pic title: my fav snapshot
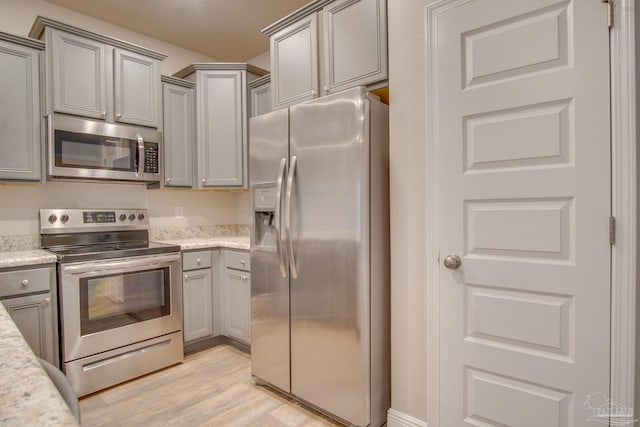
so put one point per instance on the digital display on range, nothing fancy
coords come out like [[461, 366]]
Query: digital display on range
[[99, 217]]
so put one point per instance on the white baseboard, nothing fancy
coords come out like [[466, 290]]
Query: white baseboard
[[399, 419]]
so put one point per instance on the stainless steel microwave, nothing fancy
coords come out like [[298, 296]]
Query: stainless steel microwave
[[87, 149]]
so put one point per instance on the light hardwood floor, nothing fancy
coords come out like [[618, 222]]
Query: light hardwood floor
[[210, 388]]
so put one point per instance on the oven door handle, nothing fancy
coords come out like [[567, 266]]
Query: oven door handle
[[130, 264]]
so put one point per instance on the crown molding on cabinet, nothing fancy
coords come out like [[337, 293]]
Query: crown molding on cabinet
[[260, 81], [190, 69], [41, 23], [24, 41], [178, 82], [294, 16]]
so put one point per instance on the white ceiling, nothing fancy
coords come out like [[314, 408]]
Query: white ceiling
[[227, 30]]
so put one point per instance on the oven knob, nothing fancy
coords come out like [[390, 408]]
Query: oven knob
[[140, 217], [132, 217], [52, 218], [64, 218], [122, 217]]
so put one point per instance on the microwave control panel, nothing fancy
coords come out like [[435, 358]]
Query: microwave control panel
[[151, 158]]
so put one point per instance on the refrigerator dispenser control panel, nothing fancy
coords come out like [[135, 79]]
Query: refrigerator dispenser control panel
[[264, 198]]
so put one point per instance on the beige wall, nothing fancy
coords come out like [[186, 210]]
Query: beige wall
[[17, 17], [408, 207], [20, 203], [263, 61]]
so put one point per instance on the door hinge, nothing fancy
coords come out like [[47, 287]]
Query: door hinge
[[609, 12], [612, 230]]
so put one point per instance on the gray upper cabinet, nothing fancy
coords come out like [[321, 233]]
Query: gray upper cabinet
[[327, 46], [137, 88], [221, 128], [99, 77], [260, 96], [221, 122], [78, 72], [178, 129], [20, 113], [294, 62], [355, 44]]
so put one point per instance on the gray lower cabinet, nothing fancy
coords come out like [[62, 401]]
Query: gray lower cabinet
[[325, 47], [197, 295], [178, 129], [260, 96], [29, 295], [221, 122], [20, 113], [95, 76], [237, 296]]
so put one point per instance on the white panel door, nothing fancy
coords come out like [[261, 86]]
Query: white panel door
[[520, 108]]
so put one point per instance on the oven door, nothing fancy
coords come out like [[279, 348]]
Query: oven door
[[112, 303]]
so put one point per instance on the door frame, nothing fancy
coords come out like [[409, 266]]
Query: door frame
[[623, 205]]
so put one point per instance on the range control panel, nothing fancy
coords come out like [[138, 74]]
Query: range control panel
[[71, 220]]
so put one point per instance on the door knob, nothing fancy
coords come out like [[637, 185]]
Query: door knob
[[452, 262]]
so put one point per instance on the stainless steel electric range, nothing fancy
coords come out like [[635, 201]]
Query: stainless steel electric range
[[120, 295]]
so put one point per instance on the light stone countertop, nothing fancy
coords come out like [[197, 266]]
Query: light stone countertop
[[24, 258], [223, 242], [27, 395]]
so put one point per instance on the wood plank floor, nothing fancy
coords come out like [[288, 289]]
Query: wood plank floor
[[210, 388]]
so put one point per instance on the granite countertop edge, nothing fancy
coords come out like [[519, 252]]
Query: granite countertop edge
[[33, 257], [222, 242], [28, 397], [26, 258]]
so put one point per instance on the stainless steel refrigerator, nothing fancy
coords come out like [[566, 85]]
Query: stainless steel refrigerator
[[320, 254]]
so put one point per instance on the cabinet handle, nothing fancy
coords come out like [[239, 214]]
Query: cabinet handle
[[198, 261], [203, 180], [243, 262], [314, 93], [244, 277], [325, 89], [25, 283], [186, 277], [118, 115], [104, 113], [168, 181], [47, 300]]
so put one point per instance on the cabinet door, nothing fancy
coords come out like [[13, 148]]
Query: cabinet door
[[294, 63], [137, 88], [237, 311], [20, 118], [178, 133], [260, 99], [34, 317], [355, 44], [78, 75], [222, 121], [197, 313]]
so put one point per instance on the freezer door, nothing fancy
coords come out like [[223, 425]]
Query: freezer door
[[330, 336], [268, 154]]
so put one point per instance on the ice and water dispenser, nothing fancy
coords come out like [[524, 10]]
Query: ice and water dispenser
[[264, 209]]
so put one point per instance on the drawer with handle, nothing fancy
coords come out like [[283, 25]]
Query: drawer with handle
[[237, 260], [18, 282], [196, 260]]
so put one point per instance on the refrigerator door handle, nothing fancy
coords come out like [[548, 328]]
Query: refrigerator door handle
[[279, 249], [287, 217]]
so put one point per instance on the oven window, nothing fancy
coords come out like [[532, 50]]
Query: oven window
[[94, 151], [111, 301]]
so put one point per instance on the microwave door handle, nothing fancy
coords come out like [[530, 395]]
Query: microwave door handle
[[140, 157]]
